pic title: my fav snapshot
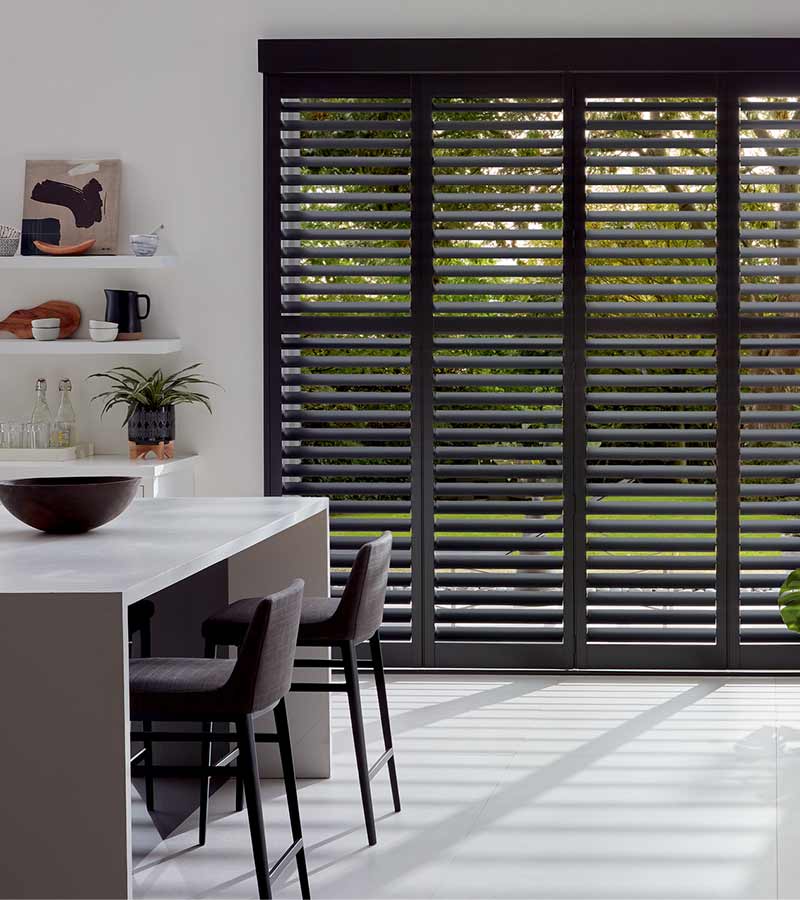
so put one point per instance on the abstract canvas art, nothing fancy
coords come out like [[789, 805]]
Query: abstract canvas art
[[71, 201]]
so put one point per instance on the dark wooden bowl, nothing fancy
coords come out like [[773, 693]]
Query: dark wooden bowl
[[67, 505]]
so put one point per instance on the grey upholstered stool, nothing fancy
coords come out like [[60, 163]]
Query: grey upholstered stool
[[139, 616], [337, 623], [221, 690]]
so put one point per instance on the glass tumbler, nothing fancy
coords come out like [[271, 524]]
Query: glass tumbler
[[38, 435], [12, 435]]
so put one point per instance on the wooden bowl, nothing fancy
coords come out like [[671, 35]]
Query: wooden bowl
[[67, 505]]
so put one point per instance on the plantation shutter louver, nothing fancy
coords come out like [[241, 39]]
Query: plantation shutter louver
[[345, 267], [650, 377], [769, 213], [498, 397]]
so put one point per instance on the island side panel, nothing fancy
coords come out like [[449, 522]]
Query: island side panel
[[301, 551], [64, 815]]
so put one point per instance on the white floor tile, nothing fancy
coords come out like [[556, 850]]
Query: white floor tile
[[535, 787]]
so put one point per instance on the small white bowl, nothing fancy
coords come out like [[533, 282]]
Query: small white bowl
[[46, 334], [144, 244], [47, 323], [102, 335]]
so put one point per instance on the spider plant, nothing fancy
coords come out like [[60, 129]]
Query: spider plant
[[136, 390]]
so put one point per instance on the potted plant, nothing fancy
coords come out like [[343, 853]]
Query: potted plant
[[151, 402]]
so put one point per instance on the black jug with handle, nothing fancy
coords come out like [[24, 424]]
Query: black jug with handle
[[122, 307]]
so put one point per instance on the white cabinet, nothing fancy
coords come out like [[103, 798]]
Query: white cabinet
[[160, 478]]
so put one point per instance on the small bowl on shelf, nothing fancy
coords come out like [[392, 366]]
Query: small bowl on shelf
[[103, 331], [144, 244], [9, 240], [46, 329], [68, 505]]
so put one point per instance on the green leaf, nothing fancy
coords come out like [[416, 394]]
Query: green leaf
[[789, 601]]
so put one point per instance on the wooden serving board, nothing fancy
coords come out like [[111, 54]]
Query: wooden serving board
[[58, 250], [19, 321]]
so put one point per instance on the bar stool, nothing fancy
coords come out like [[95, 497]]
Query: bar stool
[[337, 623], [139, 616], [227, 691]]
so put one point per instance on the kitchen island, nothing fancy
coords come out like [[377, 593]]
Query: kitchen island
[[65, 812]]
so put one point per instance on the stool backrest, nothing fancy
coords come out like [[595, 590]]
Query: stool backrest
[[364, 595], [263, 671]]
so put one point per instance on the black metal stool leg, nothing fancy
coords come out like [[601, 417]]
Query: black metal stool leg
[[145, 651], [210, 652], [383, 705], [249, 764], [205, 782], [357, 723], [239, 793], [287, 764]]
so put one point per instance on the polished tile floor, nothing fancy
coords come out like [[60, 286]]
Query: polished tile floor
[[546, 787]]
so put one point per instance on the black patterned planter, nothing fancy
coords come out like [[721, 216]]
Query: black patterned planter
[[152, 430]]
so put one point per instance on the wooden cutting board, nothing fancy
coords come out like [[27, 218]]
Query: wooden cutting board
[[19, 321]]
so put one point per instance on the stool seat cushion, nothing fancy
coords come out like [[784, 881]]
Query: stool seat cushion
[[139, 614], [175, 689], [229, 625]]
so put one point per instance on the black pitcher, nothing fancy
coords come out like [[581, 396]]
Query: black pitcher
[[122, 307]]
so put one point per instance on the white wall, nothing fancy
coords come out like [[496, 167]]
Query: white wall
[[171, 87]]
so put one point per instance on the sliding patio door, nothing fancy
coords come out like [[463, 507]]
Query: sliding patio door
[[543, 328]]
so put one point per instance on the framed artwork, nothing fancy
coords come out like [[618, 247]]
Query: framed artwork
[[68, 202]]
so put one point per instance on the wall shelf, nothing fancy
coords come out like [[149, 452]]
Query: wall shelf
[[82, 263], [73, 347], [100, 464]]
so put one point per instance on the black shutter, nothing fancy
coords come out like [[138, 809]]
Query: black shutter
[[520, 320], [769, 167], [345, 325], [497, 379], [651, 378]]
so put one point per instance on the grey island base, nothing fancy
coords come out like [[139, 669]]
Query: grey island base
[[65, 813]]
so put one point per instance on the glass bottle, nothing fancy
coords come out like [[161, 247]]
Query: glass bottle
[[38, 431], [64, 429], [41, 411]]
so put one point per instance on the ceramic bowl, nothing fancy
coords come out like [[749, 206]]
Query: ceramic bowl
[[68, 505], [144, 244], [46, 332], [104, 334]]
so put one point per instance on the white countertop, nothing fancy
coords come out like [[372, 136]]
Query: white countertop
[[153, 544]]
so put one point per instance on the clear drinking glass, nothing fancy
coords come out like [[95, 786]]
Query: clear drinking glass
[[12, 435], [38, 435]]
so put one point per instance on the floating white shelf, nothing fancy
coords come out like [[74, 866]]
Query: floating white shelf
[[73, 347], [101, 464], [50, 263]]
